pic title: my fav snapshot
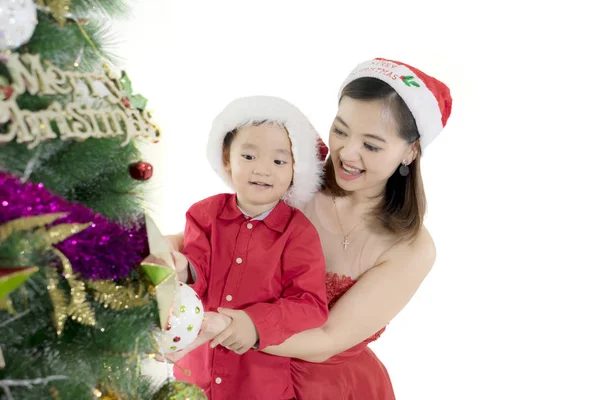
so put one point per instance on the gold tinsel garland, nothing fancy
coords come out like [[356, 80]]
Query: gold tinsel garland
[[73, 304], [58, 299], [59, 9], [116, 297], [79, 309], [26, 223]]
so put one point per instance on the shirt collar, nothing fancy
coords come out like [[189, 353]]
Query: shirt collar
[[276, 218], [259, 217]]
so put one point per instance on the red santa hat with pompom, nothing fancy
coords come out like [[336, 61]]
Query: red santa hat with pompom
[[427, 98], [308, 163]]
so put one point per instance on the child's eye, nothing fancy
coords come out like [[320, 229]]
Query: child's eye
[[338, 132], [280, 162], [371, 148], [247, 157]]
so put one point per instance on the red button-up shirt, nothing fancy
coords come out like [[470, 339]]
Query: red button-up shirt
[[274, 270]]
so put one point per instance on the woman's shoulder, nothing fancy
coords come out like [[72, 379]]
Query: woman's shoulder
[[419, 253]]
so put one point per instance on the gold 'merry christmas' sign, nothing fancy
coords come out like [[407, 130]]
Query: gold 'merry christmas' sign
[[110, 115]]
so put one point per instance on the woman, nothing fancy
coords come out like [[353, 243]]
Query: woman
[[369, 216]]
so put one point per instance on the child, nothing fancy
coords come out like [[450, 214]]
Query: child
[[254, 251]]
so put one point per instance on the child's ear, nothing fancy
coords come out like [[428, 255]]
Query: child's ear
[[226, 162]]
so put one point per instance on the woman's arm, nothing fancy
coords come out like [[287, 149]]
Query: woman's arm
[[378, 296]]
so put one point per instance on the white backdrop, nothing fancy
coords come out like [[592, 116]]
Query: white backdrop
[[510, 310]]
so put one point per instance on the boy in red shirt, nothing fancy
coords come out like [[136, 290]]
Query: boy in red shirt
[[254, 251]]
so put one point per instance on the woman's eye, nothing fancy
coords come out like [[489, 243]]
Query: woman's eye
[[371, 148], [338, 132]]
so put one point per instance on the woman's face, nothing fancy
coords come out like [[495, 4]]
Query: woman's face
[[365, 146]]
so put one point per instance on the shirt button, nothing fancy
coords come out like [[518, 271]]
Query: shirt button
[[218, 380], [238, 260], [228, 297], [249, 226]]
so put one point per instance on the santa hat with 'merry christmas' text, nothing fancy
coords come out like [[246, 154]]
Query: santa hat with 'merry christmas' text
[[308, 165], [427, 98]]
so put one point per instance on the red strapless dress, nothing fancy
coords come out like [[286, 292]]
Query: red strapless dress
[[355, 374]]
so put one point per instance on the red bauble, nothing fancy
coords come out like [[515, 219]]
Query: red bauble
[[141, 171]]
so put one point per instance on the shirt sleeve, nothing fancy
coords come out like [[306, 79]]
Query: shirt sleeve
[[196, 248], [303, 303]]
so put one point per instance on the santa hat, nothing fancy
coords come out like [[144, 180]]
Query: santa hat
[[308, 166], [427, 98]]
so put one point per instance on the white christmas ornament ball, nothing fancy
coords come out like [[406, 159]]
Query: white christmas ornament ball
[[18, 19], [183, 329]]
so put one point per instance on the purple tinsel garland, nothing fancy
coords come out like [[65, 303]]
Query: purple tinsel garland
[[104, 250]]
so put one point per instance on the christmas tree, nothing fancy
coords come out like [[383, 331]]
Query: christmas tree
[[77, 312]]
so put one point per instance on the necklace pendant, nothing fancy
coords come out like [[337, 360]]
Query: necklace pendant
[[345, 243]]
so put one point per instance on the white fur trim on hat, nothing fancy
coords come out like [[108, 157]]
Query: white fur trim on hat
[[427, 98], [308, 167]]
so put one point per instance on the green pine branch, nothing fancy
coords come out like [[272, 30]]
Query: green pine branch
[[94, 173]]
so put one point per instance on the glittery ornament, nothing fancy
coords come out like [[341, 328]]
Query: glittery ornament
[[179, 390], [185, 326], [141, 171], [18, 19]]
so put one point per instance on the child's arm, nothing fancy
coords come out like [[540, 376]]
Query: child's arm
[[302, 305], [196, 249]]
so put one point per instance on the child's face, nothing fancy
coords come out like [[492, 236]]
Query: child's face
[[261, 164]]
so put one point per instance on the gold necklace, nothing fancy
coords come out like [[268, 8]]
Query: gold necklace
[[345, 243]]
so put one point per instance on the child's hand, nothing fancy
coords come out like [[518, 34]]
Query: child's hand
[[213, 324], [151, 259], [240, 335], [175, 241], [181, 266]]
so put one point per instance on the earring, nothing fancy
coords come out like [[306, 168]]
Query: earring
[[403, 170]]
